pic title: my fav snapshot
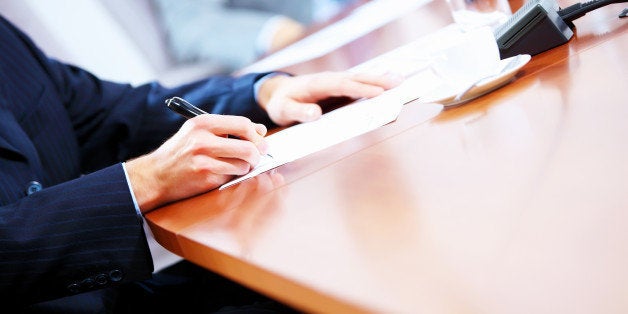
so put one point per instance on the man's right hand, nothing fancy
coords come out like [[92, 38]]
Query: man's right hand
[[205, 153]]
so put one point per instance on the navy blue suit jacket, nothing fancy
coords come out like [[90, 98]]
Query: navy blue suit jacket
[[65, 130]]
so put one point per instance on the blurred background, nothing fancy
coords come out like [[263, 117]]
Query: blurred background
[[141, 40]]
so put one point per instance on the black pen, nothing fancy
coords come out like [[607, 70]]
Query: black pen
[[184, 108]]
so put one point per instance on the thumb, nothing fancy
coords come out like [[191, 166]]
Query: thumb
[[293, 111]]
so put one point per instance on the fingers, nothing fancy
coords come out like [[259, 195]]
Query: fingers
[[224, 125], [361, 85], [228, 138], [294, 111], [295, 98], [386, 81], [222, 166], [224, 148]]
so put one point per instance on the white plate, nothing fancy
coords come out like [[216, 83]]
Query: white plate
[[446, 93]]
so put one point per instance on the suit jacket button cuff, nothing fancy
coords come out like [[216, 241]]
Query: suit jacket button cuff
[[88, 283], [101, 279], [33, 187], [74, 288], [116, 275]]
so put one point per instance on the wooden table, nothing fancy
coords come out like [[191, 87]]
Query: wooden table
[[514, 203]]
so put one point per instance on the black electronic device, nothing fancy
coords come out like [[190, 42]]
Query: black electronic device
[[534, 28], [540, 25]]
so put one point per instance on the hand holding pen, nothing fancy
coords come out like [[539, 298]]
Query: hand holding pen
[[235, 127], [209, 149], [206, 152], [189, 111]]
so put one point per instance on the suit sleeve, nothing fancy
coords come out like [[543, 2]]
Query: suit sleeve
[[135, 120], [70, 238]]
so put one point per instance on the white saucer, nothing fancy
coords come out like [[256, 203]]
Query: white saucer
[[446, 93]]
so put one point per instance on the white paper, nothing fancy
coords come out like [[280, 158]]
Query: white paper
[[453, 52]]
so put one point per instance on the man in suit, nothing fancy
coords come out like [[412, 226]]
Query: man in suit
[[81, 159]]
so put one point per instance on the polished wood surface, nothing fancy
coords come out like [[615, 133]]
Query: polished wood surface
[[516, 202]]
